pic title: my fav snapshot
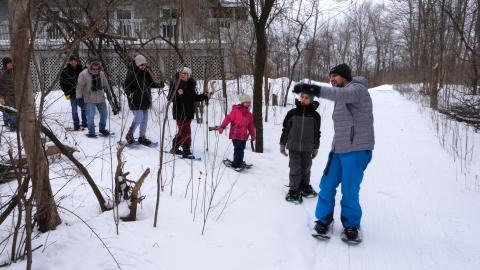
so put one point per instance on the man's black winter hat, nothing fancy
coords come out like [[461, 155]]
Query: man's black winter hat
[[6, 60], [73, 57], [306, 88], [342, 70]]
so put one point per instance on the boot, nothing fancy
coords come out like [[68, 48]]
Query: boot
[[351, 234], [144, 141], [294, 197], [186, 151], [105, 132], [175, 150], [308, 192], [130, 139], [321, 228]]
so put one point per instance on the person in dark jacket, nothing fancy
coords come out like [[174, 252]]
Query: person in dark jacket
[[7, 94], [68, 83], [301, 136], [351, 153], [138, 88], [183, 95]]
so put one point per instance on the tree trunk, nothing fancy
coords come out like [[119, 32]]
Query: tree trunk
[[222, 72], [434, 87], [260, 23], [267, 96], [477, 53], [28, 125], [260, 60]]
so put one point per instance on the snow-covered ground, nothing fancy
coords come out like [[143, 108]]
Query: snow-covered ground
[[418, 214]]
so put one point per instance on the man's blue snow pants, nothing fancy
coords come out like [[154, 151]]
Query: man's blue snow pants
[[347, 169]]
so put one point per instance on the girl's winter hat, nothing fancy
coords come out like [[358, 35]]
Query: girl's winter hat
[[140, 60], [186, 70], [6, 60], [245, 98], [342, 70]]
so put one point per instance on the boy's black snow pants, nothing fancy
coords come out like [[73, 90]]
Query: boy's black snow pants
[[300, 165]]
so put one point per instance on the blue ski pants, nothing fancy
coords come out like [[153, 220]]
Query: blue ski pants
[[347, 169]]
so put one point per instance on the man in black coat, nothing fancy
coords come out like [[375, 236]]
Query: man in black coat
[[183, 95], [138, 88], [68, 83]]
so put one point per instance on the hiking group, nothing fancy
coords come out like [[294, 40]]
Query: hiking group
[[351, 151]]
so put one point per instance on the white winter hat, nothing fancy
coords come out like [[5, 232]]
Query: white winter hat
[[186, 70], [245, 98], [140, 60]]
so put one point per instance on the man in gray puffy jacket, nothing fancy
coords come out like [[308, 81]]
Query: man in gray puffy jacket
[[352, 147], [91, 86]]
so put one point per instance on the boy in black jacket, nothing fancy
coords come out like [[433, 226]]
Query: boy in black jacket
[[301, 136]]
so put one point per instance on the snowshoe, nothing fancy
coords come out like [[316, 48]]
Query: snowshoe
[[308, 192], [75, 129], [322, 231], [351, 236], [91, 135], [227, 162], [136, 143], [294, 196], [247, 166], [192, 157], [244, 166]]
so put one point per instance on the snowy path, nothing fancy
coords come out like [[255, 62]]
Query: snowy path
[[416, 216]]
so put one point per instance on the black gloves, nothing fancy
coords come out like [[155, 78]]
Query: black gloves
[[307, 88]]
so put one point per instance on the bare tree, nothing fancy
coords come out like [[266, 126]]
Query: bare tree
[[29, 122], [259, 12]]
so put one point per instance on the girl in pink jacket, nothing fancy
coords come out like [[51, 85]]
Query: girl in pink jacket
[[242, 124]]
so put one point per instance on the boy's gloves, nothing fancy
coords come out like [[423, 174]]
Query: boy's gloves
[[314, 153], [283, 150]]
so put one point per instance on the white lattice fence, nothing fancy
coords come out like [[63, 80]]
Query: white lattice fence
[[50, 65]]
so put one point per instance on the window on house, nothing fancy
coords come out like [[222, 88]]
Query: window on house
[[168, 30], [125, 23], [74, 13], [124, 14], [54, 32], [168, 13]]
